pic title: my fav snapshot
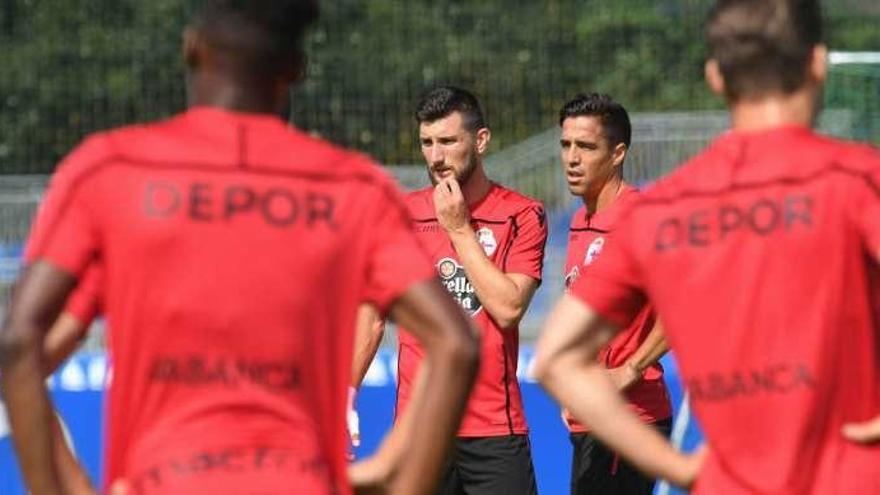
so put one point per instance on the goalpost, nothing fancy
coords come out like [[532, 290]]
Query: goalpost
[[850, 58], [854, 85]]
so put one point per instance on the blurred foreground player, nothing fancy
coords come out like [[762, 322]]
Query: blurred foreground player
[[762, 257], [594, 143], [217, 232]]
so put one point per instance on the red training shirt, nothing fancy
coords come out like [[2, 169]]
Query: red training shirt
[[588, 235], [512, 230], [760, 254], [234, 251]]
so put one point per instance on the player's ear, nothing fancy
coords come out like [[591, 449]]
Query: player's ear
[[714, 78], [818, 65], [191, 48], [619, 154], [484, 135]]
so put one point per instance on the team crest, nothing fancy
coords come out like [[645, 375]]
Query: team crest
[[447, 268], [593, 250], [486, 238], [453, 277]]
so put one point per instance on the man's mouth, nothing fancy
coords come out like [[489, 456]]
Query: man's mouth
[[573, 176]]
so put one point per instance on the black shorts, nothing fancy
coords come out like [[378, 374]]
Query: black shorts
[[597, 470], [490, 466]]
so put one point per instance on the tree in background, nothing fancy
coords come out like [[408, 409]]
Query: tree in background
[[70, 67]]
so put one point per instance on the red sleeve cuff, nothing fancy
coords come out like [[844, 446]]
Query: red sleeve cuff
[[85, 302]]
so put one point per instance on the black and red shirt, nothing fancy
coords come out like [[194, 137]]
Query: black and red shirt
[[587, 238], [512, 230]]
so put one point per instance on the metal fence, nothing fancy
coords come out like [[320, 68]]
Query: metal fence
[[70, 67], [660, 142], [854, 84]]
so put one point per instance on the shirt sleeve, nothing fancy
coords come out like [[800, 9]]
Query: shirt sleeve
[[64, 230], [396, 259], [85, 301], [526, 253], [866, 208], [612, 285]]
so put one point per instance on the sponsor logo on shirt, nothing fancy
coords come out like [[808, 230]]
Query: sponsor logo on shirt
[[232, 460], [593, 251], [782, 378], [220, 371], [455, 280], [708, 226], [213, 203], [486, 238]]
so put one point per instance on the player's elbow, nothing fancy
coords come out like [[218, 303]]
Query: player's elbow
[[551, 375], [377, 330], [16, 340], [550, 367], [542, 368], [508, 315]]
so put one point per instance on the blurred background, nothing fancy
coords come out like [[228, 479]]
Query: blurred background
[[72, 67]]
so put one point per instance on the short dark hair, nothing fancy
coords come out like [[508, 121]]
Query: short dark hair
[[442, 101], [262, 33], [612, 115], [763, 46]]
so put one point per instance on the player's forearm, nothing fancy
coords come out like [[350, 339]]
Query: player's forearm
[[498, 294], [28, 408], [62, 340], [452, 352], [386, 462], [363, 358], [38, 300], [586, 391], [368, 337], [394, 445], [71, 474], [449, 370]]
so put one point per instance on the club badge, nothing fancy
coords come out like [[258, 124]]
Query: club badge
[[486, 238], [593, 250]]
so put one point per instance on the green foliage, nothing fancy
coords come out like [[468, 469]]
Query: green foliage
[[73, 67], [70, 67]]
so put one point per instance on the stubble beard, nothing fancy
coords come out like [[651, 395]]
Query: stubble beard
[[461, 176]]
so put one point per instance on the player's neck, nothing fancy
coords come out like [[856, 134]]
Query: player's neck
[[606, 196], [796, 109], [477, 187], [220, 91]]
